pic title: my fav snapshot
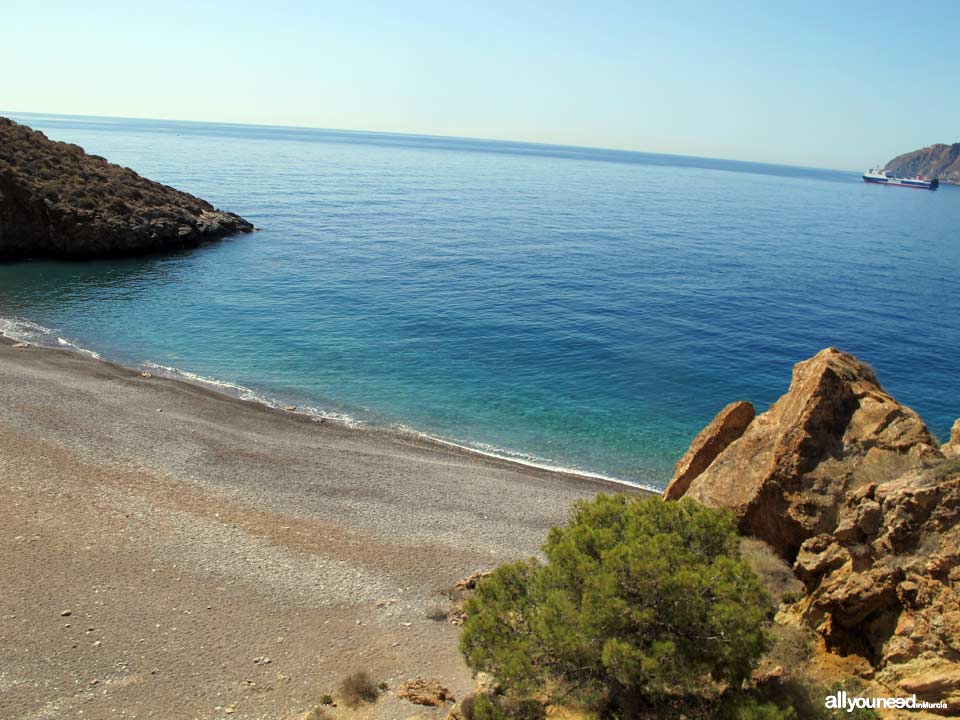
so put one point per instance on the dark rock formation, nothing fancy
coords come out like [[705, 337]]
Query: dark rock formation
[[937, 161], [58, 201]]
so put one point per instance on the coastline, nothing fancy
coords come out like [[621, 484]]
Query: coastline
[[188, 532], [17, 330]]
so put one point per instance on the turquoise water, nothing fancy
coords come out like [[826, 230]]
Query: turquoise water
[[578, 308]]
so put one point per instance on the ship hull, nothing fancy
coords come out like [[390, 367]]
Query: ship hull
[[902, 182]]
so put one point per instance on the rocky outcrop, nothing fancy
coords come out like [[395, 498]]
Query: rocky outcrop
[[58, 201], [884, 583], [424, 692], [951, 448], [729, 424], [787, 476], [937, 161], [849, 485]]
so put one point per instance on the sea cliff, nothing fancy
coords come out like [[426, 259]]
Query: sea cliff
[[56, 200]]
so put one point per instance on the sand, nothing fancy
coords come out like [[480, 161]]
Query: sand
[[160, 539]]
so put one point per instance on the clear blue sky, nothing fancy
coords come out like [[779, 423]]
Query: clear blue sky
[[830, 84]]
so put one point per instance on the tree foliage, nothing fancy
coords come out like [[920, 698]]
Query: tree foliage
[[638, 599]]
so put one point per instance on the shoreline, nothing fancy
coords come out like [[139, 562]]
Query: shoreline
[[245, 394], [161, 537]]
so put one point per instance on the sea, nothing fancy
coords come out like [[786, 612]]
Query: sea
[[569, 307]]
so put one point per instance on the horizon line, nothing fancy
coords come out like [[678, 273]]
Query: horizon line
[[427, 135]]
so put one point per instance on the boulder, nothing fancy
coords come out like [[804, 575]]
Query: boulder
[[424, 692], [58, 201], [785, 477], [729, 424]]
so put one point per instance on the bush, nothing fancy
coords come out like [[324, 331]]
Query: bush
[[358, 688], [639, 599], [747, 707], [326, 699]]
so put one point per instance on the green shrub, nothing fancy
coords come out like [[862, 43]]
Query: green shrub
[[358, 688], [639, 599], [326, 699], [748, 707]]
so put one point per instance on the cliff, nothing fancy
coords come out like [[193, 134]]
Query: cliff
[[58, 201], [937, 161], [850, 487]]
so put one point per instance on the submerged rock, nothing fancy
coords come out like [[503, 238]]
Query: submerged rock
[[58, 201]]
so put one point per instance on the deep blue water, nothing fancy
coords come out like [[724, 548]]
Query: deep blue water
[[590, 309]]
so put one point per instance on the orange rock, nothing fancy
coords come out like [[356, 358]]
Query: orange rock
[[424, 692], [951, 448], [850, 486], [727, 426], [834, 431]]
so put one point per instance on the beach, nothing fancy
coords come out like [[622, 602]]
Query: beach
[[173, 552]]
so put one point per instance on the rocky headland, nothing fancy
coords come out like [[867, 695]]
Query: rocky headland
[[936, 161], [850, 488], [58, 201]]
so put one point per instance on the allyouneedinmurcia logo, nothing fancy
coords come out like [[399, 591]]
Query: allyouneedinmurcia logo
[[842, 700]]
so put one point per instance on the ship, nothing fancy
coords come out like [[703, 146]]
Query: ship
[[882, 177]]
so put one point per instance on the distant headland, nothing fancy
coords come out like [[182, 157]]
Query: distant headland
[[58, 201], [936, 161]]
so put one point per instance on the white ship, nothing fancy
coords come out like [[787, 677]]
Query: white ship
[[882, 177]]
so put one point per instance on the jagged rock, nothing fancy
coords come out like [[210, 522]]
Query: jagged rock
[[890, 591], [424, 692], [836, 430], [951, 448], [58, 201], [729, 424], [851, 487]]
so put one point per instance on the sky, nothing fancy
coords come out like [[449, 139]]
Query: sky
[[843, 84]]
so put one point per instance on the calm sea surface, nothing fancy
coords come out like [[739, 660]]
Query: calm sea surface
[[579, 308]]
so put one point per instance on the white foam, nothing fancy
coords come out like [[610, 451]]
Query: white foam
[[245, 393], [493, 451], [27, 331], [24, 330], [77, 348], [240, 391], [30, 332]]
